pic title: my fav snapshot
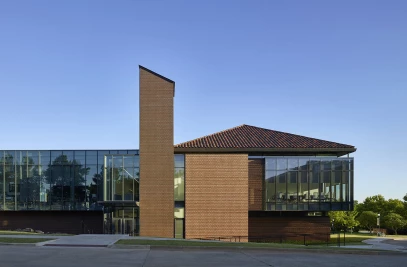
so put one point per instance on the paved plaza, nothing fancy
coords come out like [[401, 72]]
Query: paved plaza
[[43, 256], [97, 250]]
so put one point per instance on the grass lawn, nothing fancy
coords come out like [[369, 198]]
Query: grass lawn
[[201, 244], [27, 233], [16, 233], [351, 239], [22, 240], [186, 243]]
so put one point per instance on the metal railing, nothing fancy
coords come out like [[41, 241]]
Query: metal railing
[[299, 239]]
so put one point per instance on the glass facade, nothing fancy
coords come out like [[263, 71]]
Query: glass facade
[[53, 179], [308, 183], [121, 177], [179, 195]]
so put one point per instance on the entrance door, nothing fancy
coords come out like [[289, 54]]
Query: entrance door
[[124, 226], [179, 228], [124, 221], [121, 193]]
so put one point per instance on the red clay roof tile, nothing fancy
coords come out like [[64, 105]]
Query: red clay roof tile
[[246, 136]]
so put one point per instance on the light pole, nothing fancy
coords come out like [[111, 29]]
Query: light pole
[[378, 223]]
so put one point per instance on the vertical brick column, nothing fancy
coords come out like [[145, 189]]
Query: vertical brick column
[[256, 180], [156, 155], [216, 194]]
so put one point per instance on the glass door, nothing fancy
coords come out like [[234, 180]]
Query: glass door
[[179, 228]]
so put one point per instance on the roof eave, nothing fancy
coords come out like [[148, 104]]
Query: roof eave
[[338, 151]]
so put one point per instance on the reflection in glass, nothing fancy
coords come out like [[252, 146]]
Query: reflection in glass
[[271, 186], [179, 160], [281, 164], [57, 180], [271, 163], [281, 187], [293, 163], [313, 183], [179, 184]]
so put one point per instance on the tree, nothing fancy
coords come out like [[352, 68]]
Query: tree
[[368, 220], [377, 204], [394, 221], [396, 206], [343, 220]]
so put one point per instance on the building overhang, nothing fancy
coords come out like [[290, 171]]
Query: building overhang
[[292, 151]]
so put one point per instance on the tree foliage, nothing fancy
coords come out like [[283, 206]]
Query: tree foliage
[[394, 221], [368, 220], [343, 220], [393, 212]]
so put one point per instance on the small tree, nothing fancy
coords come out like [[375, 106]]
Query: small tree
[[394, 221], [368, 220], [343, 220]]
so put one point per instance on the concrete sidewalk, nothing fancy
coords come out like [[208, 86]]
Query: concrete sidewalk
[[380, 244], [84, 241]]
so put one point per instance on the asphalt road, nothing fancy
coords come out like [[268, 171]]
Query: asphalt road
[[16, 256]]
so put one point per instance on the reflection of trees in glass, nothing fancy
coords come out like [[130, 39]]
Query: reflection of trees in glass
[[65, 172], [9, 185], [179, 184], [30, 183], [68, 179], [98, 183], [124, 181]]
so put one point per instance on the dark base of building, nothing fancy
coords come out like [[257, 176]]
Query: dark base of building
[[68, 222], [266, 226]]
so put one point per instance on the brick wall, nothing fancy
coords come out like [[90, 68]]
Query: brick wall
[[216, 193], [256, 179], [156, 156]]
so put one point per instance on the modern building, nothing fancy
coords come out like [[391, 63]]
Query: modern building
[[243, 183]]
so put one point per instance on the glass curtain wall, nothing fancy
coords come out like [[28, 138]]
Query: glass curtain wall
[[179, 195], [309, 184], [121, 185], [122, 177], [52, 180]]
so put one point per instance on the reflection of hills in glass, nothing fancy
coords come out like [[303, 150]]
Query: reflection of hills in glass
[[293, 183]]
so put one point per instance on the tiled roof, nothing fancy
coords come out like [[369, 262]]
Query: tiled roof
[[246, 136]]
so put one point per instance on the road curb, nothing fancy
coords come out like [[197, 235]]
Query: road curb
[[326, 251], [18, 244]]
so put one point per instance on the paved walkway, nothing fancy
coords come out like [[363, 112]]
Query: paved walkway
[[103, 257], [388, 244], [84, 241]]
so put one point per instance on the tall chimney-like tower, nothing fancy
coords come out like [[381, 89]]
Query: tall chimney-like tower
[[156, 154]]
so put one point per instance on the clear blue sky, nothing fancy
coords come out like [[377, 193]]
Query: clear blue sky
[[334, 70]]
